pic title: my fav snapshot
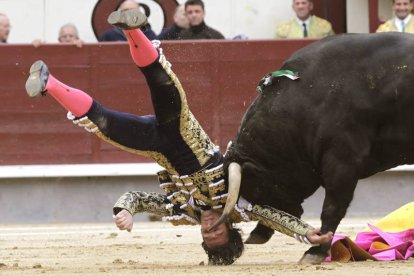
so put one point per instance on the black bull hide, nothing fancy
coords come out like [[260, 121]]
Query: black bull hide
[[349, 116]]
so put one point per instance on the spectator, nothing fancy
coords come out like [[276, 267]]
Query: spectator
[[403, 19], [304, 25], [180, 23], [68, 34], [198, 28], [4, 28], [115, 34]]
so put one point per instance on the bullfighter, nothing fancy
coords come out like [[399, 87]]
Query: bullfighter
[[194, 180]]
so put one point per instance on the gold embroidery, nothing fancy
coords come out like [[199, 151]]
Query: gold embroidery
[[181, 219], [138, 202], [166, 182], [217, 188], [279, 220], [86, 123], [206, 187], [191, 131], [156, 156]]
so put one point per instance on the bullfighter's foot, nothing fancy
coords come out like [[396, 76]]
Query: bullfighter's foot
[[260, 235], [36, 83], [313, 256], [127, 19]]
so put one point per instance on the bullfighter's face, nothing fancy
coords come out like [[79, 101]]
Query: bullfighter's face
[[195, 14], [302, 8], [217, 237], [402, 8]]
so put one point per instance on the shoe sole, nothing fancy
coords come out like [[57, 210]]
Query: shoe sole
[[34, 84], [128, 19]]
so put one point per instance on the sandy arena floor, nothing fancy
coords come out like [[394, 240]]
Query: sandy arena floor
[[156, 248]]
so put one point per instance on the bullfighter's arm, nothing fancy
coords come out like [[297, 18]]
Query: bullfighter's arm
[[280, 221], [140, 202], [157, 204]]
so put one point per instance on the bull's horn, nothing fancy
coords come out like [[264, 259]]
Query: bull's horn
[[233, 193]]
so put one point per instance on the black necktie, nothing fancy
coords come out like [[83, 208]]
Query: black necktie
[[305, 31]]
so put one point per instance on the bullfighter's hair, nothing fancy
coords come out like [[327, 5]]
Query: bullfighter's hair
[[228, 253]]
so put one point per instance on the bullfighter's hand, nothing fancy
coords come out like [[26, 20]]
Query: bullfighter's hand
[[315, 237], [124, 221]]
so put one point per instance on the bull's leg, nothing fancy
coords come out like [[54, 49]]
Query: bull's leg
[[260, 234], [338, 196]]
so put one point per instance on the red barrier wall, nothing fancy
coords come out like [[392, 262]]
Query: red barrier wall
[[219, 77]]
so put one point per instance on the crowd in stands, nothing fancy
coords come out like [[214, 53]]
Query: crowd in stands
[[189, 23], [68, 34]]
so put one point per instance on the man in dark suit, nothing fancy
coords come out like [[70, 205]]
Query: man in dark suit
[[198, 28], [115, 34], [180, 23]]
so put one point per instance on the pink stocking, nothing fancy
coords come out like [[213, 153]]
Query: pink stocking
[[142, 51], [73, 100]]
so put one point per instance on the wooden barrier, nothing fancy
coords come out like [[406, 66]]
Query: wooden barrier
[[219, 77]]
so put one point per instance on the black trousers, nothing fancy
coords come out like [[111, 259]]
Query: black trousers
[[172, 137]]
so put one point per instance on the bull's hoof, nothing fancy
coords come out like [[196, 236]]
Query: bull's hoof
[[314, 255], [311, 259]]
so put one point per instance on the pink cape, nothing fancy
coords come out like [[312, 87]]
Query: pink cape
[[395, 241], [376, 245]]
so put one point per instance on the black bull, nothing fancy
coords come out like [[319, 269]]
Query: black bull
[[349, 116]]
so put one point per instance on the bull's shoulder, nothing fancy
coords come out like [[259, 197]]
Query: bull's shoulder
[[388, 26]]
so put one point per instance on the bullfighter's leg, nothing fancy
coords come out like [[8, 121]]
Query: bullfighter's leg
[[40, 81], [136, 134], [164, 85], [339, 190], [142, 51], [189, 147]]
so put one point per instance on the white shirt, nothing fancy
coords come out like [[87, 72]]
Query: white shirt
[[398, 22], [307, 22]]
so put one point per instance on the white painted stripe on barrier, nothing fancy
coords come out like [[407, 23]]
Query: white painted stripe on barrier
[[94, 170], [79, 170]]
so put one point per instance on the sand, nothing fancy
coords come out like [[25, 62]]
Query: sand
[[157, 248]]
